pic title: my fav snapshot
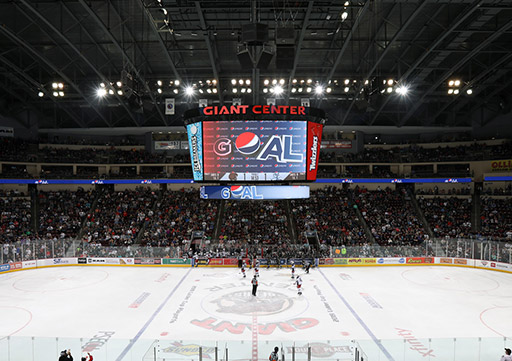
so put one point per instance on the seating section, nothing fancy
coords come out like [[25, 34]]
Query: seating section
[[15, 217], [496, 217], [447, 217], [254, 222], [330, 213], [391, 217]]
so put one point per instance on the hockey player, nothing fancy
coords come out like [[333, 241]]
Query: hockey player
[[254, 283], [274, 355], [308, 265], [243, 268], [257, 269], [298, 282], [293, 269]]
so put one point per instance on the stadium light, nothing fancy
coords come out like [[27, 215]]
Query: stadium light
[[389, 89], [159, 91], [111, 91], [451, 82], [346, 89], [344, 16], [189, 91], [119, 92], [176, 91], [55, 94], [119, 84], [456, 83], [249, 90], [347, 81], [390, 82], [54, 85], [102, 85], [159, 82], [235, 90], [328, 90], [61, 93], [101, 92], [177, 83], [241, 82], [41, 94], [456, 91], [278, 89], [469, 91], [248, 82], [265, 90], [266, 82], [214, 90], [233, 81], [402, 90], [450, 91], [319, 89], [281, 81], [308, 89]]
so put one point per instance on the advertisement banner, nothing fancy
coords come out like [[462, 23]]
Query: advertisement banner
[[460, 261], [4, 267], [98, 260], [179, 261], [446, 260], [255, 150], [28, 264], [336, 144], [147, 261], [313, 151], [254, 192], [169, 106], [195, 141], [337, 260], [16, 265], [167, 145], [420, 260], [82, 260], [125, 260], [230, 262], [501, 165], [216, 262], [394, 260], [7, 132]]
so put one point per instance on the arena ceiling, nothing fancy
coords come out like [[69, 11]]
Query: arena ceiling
[[349, 49]]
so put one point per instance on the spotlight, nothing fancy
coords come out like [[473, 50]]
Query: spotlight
[[159, 82], [119, 84], [402, 90], [111, 91], [241, 82], [61, 93], [119, 92], [266, 82], [235, 90], [300, 90], [347, 3], [281, 81], [189, 91], [55, 94], [308, 89], [319, 89], [242, 90], [200, 91], [209, 91], [347, 81], [249, 90], [390, 82], [344, 16], [294, 90], [61, 86], [328, 90], [176, 91], [41, 94], [214, 81], [456, 91], [309, 81], [389, 89], [233, 81], [294, 81], [450, 83], [274, 81], [469, 91], [55, 85], [214, 90], [159, 90], [366, 82], [177, 83], [456, 83], [102, 85], [265, 90], [101, 92], [164, 11], [248, 82], [278, 89], [450, 91], [346, 89]]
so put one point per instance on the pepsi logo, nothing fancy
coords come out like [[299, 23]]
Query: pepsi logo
[[246, 128], [261, 128], [236, 191], [232, 128], [276, 128], [291, 128], [247, 143], [217, 128]]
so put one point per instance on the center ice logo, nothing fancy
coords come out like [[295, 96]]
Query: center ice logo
[[242, 303]]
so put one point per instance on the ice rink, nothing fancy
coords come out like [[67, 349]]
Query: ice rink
[[394, 313]]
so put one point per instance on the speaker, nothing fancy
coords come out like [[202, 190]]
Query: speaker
[[245, 59], [265, 59], [285, 55], [254, 34], [285, 36]]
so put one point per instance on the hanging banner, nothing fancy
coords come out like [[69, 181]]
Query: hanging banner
[[169, 106]]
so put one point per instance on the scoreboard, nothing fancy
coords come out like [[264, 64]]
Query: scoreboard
[[256, 150]]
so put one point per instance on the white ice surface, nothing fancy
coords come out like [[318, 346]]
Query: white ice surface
[[66, 307]]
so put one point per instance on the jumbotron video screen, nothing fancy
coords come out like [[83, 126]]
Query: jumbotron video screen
[[254, 150]]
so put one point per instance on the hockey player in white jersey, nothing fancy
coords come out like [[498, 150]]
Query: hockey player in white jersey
[[293, 269], [243, 268], [257, 269], [298, 282]]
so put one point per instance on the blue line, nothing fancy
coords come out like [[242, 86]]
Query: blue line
[[143, 329], [361, 322]]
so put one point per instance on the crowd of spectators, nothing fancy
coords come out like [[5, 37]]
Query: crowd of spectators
[[329, 212], [15, 217], [391, 216], [254, 222], [118, 216], [501, 191], [177, 214], [496, 218], [62, 213], [448, 217], [455, 191]]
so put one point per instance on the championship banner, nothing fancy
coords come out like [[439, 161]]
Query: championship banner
[[169, 106]]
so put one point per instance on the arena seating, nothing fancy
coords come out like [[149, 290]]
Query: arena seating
[[496, 217], [448, 217]]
